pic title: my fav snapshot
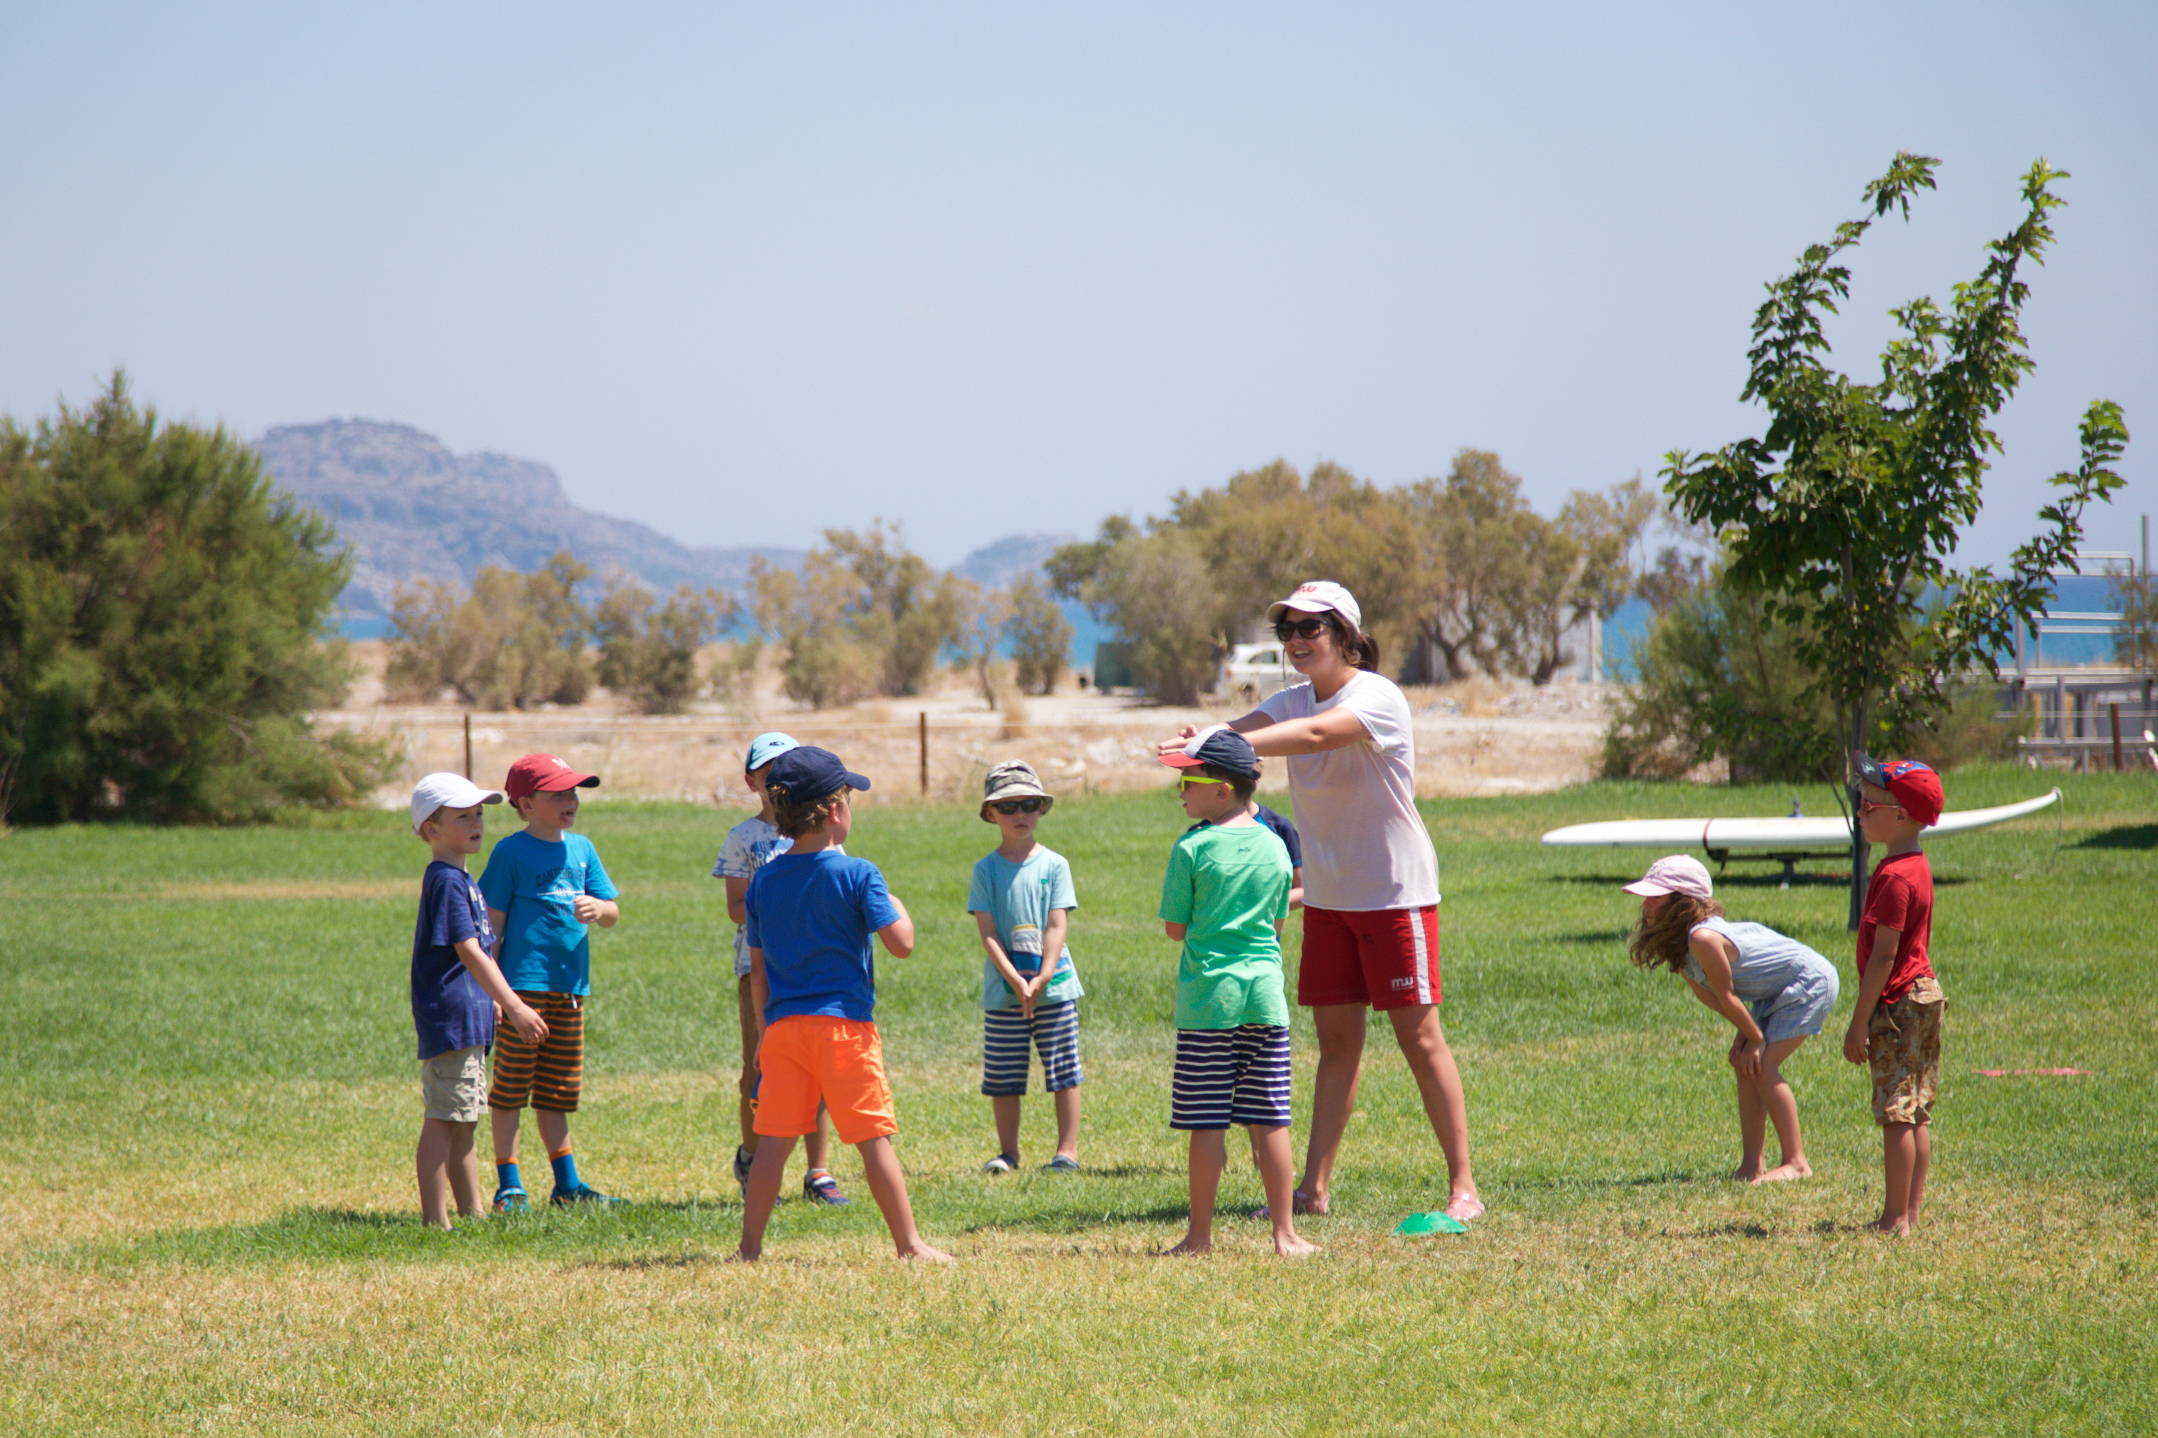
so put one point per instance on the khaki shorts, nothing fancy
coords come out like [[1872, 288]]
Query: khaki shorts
[[454, 1085], [1903, 1048]]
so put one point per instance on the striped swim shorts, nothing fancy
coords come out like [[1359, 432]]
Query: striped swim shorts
[[550, 1073], [1226, 1076], [1054, 1030]]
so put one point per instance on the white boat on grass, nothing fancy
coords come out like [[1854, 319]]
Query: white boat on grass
[[1720, 836]]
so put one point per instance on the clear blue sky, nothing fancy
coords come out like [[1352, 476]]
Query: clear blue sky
[[745, 271]]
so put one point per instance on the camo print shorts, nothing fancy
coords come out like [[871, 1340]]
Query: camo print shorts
[[1903, 1048]]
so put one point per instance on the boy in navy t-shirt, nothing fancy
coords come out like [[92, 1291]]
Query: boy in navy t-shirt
[[456, 992], [810, 915]]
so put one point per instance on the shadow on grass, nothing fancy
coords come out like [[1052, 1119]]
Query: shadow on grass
[[2127, 836], [633, 1233]]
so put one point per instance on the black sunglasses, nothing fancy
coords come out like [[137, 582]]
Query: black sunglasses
[[1017, 806], [1301, 628]]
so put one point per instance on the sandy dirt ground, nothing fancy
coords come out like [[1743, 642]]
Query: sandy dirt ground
[[1474, 738]]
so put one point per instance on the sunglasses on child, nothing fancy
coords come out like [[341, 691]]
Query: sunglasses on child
[[1017, 806], [1188, 780], [1300, 628]]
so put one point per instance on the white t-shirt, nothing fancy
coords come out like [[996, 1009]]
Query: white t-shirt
[[1365, 846]]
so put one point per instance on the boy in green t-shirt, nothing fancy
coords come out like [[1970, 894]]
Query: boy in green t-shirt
[[1224, 899]]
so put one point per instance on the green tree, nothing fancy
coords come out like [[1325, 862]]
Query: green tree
[[1577, 565], [1474, 535], [1156, 590], [163, 627], [821, 663], [512, 641], [1039, 635], [648, 651], [1718, 680], [979, 640], [906, 611], [1844, 514]]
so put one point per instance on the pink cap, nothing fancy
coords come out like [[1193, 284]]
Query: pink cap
[[1675, 874]]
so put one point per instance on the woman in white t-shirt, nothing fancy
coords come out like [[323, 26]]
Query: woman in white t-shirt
[[1371, 878]]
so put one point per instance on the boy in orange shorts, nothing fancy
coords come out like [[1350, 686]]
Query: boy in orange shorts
[[810, 914]]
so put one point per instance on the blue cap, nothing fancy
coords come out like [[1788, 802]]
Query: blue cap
[[805, 773], [1221, 747], [765, 748]]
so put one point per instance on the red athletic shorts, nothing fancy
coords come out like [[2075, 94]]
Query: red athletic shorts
[[807, 1057], [1387, 958]]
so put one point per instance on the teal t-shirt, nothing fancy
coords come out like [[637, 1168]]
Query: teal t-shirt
[[1018, 898], [1229, 887], [535, 885]]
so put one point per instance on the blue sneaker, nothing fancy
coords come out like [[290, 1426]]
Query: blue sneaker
[[582, 1193], [511, 1200], [820, 1187]]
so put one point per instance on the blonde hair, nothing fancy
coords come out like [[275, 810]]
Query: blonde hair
[[1662, 939], [795, 820]]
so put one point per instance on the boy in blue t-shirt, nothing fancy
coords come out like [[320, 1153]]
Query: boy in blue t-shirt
[[544, 888], [456, 993], [810, 914], [1021, 897]]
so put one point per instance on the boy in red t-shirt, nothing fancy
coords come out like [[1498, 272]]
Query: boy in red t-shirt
[[1896, 1023]]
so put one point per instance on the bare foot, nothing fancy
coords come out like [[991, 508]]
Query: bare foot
[[1744, 1174], [1887, 1229], [1785, 1172], [1293, 1246], [1464, 1208], [1302, 1205], [744, 1255], [923, 1253], [1187, 1247]]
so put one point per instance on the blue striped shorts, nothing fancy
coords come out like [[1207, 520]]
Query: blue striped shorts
[[1226, 1076], [1055, 1034]]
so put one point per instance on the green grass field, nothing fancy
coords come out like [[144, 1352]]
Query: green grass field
[[208, 1224]]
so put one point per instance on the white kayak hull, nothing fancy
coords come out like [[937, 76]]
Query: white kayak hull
[[1788, 834]]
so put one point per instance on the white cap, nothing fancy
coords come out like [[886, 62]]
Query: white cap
[[1317, 597], [446, 791], [1675, 874]]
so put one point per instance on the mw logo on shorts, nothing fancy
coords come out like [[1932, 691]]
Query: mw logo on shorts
[[1406, 981]]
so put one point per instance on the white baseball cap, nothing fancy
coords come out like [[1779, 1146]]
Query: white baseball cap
[[446, 791], [1675, 874], [1316, 597]]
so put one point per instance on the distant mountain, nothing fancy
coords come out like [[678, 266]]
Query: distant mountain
[[413, 510], [997, 564]]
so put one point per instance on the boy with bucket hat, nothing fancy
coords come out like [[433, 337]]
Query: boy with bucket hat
[[1021, 897]]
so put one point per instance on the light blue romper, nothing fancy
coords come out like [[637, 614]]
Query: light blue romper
[[1788, 987]]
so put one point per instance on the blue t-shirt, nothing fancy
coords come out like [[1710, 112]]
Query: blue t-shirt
[[813, 915], [1018, 899], [535, 885], [449, 1008], [1283, 830]]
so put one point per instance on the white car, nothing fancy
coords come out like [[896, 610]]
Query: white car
[[1253, 671]]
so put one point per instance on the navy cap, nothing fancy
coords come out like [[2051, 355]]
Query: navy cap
[[806, 773], [1220, 746]]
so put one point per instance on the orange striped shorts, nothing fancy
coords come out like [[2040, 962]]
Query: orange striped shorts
[[550, 1073]]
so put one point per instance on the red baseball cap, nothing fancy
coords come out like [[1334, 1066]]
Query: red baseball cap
[[544, 774], [1914, 786]]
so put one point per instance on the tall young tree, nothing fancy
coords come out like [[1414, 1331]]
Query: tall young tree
[[1844, 513], [164, 626]]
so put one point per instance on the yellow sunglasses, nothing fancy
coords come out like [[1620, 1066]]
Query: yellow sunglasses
[[1187, 780]]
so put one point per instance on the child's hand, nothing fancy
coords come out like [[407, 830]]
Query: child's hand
[[1854, 1043], [529, 1025], [586, 908], [1035, 990], [1746, 1055]]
